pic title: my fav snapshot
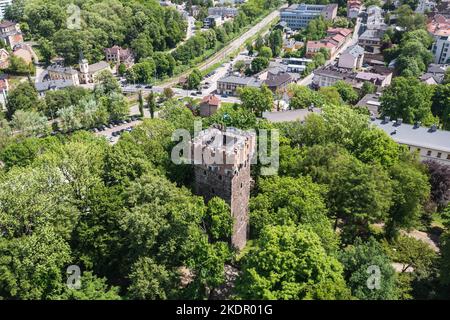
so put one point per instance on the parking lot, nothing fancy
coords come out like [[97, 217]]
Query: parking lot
[[113, 131]]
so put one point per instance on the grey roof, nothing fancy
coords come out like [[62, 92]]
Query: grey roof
[[355, 50], [98, 66], [277, 79], [371, 102], [416, 136], [57, 68], [246, 81], [438, 78], [289, 115], [371, 35], [437, 68], [53, 84]]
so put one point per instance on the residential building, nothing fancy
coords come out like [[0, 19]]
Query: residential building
[[312, 47], [3, 5], [439, 27], [230, 84], [435, 74], [119, 55], [352, 57], [296, 64], [298, 16], [24, 54], [429, 142], [278, 82], [425, 5], [212, 21], [10, 33], [209, 105], [336, 38], [375, 19], [222, 159], [353, 8], [290, 45], [329, 75], [223, 11], [371, 39]]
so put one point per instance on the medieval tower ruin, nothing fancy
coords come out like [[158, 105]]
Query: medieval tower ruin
[[222, 160]]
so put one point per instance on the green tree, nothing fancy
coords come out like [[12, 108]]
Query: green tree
[[256, 100], [292, 201], [412, 189], [151, 104], [441, 104], [46, 252], [265, 52], [23, 97], [409, 99], [194, 79], [289, 263], [219, 220], [29, 123], [346, 91], [141, 103], [361, 261]]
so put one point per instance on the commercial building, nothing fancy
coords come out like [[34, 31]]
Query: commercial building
[[298, 16], [230, 84]]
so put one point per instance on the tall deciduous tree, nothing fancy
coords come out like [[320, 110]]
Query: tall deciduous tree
[[289, 263]]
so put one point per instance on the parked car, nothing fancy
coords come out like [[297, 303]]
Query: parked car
[[148, 87]]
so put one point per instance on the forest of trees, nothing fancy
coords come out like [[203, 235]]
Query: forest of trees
[[126, 215], [149, 29]]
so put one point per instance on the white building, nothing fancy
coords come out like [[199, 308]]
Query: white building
[[439, 28], [429, 142], [3, 5]]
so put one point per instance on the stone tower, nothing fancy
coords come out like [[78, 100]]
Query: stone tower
[[222, 160], [84, 64]]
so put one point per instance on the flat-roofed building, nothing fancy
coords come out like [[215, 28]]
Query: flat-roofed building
[[298, 16], [230, 84]]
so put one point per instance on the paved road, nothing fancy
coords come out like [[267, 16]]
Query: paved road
[[233, 46]]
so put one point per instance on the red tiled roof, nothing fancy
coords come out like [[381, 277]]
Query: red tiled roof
[[211, 99]]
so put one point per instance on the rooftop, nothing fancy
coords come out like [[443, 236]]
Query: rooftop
[[290, 115], [60, 69], [354, 50], [211, 99], [246, 81], [418, 136], [53, 84]]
